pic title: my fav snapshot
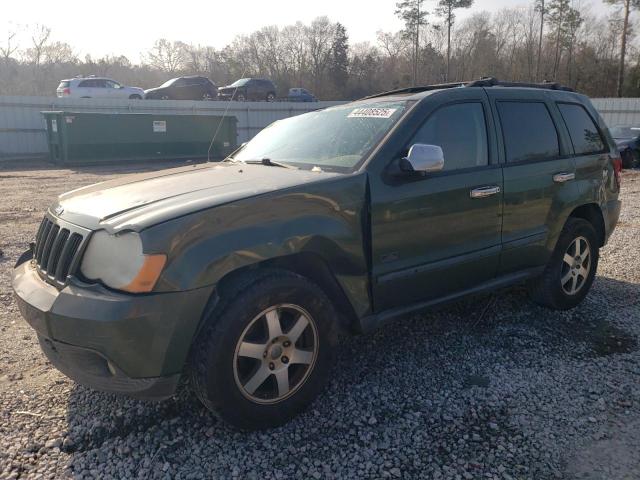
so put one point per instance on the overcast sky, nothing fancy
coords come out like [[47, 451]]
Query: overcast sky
[[130, 27]]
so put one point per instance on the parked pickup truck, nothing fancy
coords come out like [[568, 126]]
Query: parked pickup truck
[[240, 275]]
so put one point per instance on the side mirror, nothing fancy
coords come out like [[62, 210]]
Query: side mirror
[[423, 158]]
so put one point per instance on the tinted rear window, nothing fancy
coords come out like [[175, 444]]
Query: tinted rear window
[[585, 136], [528, 130]]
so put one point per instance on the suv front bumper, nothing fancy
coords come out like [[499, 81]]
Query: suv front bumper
[[110, 341]]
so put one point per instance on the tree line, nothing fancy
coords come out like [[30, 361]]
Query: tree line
[[547, 40]]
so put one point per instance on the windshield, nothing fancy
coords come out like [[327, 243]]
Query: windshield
[[337, 138], [239, 83], [168, 82], [624, 132]]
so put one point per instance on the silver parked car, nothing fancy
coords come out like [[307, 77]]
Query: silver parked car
[[97, 87]]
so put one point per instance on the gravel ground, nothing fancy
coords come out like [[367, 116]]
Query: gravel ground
[[493, 387]]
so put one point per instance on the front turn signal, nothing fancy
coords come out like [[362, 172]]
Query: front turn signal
[[148, 274]]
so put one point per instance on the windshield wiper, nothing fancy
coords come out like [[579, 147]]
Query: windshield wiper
[[269, 163]]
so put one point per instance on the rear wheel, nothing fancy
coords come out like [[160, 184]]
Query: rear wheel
[[271, 97], [266, 350], [568, 276], [135, 97]]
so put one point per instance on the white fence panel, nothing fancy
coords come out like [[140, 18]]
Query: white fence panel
[[619, 111], [22, 128]]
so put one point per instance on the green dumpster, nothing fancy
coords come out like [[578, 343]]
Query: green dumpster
[[87, 137]]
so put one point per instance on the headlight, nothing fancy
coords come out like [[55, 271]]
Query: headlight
[[118, 262]]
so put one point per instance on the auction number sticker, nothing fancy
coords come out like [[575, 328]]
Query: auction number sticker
[[372, 113], [159, 126]]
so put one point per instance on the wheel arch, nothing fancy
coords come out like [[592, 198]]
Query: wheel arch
[[306, 264], [592, 213]]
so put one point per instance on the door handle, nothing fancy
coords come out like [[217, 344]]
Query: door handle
[[563, 177], [484, 192]]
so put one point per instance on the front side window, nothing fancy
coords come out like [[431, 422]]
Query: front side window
[[461, 131], [168, 83], [584, 134], [240, 83], [338, 138], [528, 130]]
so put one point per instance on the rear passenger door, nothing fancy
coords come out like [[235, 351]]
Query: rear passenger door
[[539, 175]]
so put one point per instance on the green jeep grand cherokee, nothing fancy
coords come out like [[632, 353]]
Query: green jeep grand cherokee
[[240, 274]]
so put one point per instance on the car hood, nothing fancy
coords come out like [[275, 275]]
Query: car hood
[[228, 88], [141, 200], [155, 89]]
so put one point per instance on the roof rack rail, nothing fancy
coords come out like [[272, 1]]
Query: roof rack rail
[[484, 82], [494, 82]]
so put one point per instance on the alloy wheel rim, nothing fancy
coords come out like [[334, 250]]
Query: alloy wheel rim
[[275, 354], [576, 266]]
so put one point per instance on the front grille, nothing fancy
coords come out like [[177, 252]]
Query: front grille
[[55, 250]]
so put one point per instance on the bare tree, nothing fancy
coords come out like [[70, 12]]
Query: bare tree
[[10, 46], [319, 36], [167, 56]]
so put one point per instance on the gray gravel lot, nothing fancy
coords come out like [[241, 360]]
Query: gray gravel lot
[[492, 387]]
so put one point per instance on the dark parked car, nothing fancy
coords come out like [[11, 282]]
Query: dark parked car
[[627, 139], [252, 89], [301, 95], [184, 88], [376, 209]]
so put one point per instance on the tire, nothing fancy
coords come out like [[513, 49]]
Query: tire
[[207, 97], [165, 97], [223, 373], [271, 97], [553, 288], [627, 158], [240, 97], [135, 97]]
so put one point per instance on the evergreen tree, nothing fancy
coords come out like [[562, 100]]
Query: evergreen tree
[[628, 6], [446, 9], [413, 14], [339, 62]]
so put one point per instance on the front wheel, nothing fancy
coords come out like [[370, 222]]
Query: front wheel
[[271, 97], [135, 97], [266, 350], [568, 276], [240, 97]]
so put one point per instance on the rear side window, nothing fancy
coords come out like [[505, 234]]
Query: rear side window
[[585, 136], [528, 130], [461, 131], [87, 84]]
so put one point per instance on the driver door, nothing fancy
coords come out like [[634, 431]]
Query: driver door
[[439, 234]]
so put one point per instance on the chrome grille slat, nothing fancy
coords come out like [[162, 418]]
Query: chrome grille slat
[[56, 249]]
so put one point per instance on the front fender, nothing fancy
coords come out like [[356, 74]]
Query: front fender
[[327, 219]]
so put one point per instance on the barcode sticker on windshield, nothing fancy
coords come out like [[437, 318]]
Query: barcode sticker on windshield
[[372, 113]]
